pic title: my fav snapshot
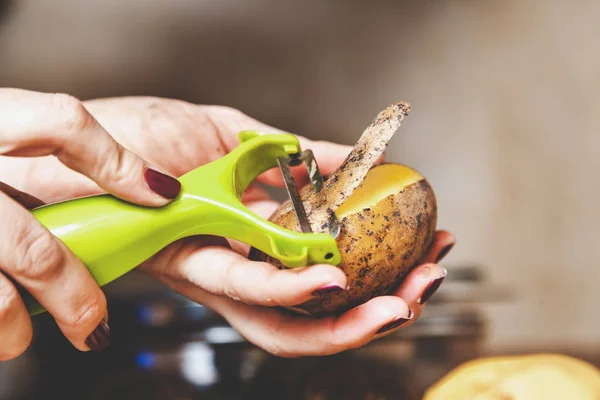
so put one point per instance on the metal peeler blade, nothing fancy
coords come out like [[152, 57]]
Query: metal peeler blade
[[317, 182]]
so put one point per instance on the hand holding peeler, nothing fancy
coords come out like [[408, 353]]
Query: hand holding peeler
[[111, 236]]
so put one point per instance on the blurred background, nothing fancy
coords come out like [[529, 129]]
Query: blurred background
[[504, 124]]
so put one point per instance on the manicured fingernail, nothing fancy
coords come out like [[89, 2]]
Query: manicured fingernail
[[98, 339], [444, 252], [433, 286], [396, 323], [328, 289], [161, 184]]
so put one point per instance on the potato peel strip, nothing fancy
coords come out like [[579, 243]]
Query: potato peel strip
[[370, 146]]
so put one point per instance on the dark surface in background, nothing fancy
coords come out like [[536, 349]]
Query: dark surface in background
[[233, 371], [149, 363]]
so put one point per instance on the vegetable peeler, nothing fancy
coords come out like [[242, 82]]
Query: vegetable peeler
[[111, 236]]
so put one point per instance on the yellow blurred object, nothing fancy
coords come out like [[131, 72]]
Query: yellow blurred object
[[530, 377]]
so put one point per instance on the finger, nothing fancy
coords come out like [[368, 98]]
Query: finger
[[424, 280], [420, 285], [39, 124], [57, 279], [289, 335], [15, 325], [221, 271], [443, 242]]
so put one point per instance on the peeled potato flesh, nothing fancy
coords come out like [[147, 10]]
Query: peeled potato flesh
[[380, 182]]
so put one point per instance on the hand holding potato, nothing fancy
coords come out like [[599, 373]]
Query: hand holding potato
[[216, 272]]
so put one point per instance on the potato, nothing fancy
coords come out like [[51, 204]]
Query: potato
[[387, 214], [530, 377], [386, 226]]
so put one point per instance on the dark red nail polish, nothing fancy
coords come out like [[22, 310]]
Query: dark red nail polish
[[395, 323], [161, 184], [98, 339], [328, 289], [444, 252], [433, 286]]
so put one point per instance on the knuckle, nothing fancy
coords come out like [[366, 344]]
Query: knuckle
[[74, 116], [334, 342], [39, 257], [227, 112], [275, 293], [224, 118], [87, 312], [230, 287], [280, 344], [118, 167], [230, 291]]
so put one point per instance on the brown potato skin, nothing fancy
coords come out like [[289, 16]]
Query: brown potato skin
[[379, 247]]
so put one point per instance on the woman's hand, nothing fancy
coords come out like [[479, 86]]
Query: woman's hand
[[35, 124], [246, 294], [178, 137]]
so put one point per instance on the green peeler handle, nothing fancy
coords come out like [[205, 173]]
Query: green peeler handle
[[112, 237]]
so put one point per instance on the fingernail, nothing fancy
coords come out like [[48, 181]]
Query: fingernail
[[444, 252], [396, 323], [328, 289], [161, 184], [433, 286], [98, 339]]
